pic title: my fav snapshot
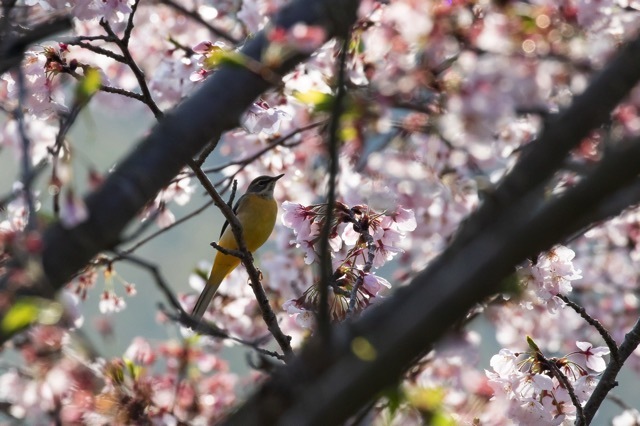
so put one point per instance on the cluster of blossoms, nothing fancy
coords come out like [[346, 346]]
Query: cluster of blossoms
[[194, 386], [550, 276], [110, 300], [537, 391], [359, 239]]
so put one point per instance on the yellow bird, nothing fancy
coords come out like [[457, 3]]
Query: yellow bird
[[256, 210]]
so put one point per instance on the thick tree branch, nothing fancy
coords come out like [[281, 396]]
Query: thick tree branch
[[564, 132]]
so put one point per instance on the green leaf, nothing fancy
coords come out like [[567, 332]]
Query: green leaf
[[219, 56], [532, 344], [23, 313], [88, 86], [426, 399], [395, 398], [320, 101], [440, 418], [511, 285], [133, 369]]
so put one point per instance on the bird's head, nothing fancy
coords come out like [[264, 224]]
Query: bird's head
[[263, 185]]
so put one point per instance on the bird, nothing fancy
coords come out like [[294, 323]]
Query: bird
[[256, 211]]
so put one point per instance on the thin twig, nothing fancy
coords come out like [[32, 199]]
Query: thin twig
[[167, 228], [228, 252], [123, 92], [184, 318], [26, 152], [613, 347], [101, 37], [243, 163], [246, 257], [269, 147], [608, 379], [97, 49], [551, 365], [129, 28], [326, 275], [122, 44], [110, 89], [206, 329], [232, 196], [196, 17], [371, 254], [208, 149]]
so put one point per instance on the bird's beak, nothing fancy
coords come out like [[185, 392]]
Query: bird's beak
[[278, 177]]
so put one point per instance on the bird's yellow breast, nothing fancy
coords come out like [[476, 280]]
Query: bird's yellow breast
[[257, 215]]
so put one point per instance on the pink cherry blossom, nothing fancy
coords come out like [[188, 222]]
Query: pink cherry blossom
[[261, 118], [591, 357], [140, 352]]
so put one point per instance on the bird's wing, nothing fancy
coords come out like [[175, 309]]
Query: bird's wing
[[235, 211]]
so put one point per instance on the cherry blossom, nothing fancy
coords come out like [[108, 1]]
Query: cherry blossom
[[551, 275], [261, 118], [533, 391], [590, 357]]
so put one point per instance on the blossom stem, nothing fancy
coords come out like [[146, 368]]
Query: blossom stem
[[608, 380], [565, 383], [371, 250], [194, 15], [326, 275], [26, 152], [613, 347]]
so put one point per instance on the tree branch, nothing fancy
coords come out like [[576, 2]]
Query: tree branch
[[185, 319], [196, 17], [611, 344], [608, 379], [326, 272]]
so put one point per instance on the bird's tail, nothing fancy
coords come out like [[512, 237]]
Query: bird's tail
[[214, 281]]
